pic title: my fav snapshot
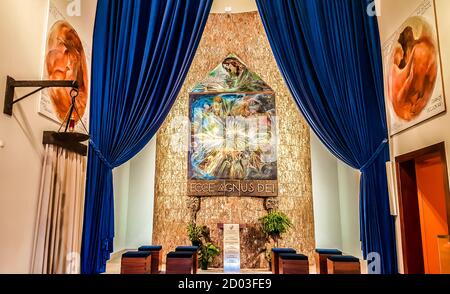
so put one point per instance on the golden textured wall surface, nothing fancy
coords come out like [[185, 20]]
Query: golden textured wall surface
[[244, 35]]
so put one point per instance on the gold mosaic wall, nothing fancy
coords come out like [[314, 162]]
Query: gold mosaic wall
[[244, 35]]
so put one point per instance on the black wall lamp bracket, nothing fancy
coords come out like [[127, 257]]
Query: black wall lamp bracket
[[12, 84]]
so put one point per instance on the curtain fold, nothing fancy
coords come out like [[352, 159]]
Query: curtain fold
[[58, 231], [330, 57], [142, 51]]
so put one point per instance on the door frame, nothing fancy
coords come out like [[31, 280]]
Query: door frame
[[413, 156]]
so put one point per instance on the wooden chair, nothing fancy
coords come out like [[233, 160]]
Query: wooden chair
[[293, 264], [156, 257], [135, 262], [321, 256], [343, 264], [180, 262], [275, 258], [194, 250]]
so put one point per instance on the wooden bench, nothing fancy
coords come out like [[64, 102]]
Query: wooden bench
[[293, 264], [276, 260], [156, 257], [135, 262], [321, 256], [343, 264], [194, 250], [180, 262]]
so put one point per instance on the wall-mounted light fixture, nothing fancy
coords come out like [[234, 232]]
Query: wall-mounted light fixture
[[69, 140], [12, 84]]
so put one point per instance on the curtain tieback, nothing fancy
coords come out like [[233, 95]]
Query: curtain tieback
[[100, 155], [374, 156]]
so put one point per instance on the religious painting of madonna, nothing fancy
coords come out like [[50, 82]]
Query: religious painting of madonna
[[233, 134]]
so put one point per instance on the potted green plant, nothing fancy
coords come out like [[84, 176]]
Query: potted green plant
[[274, 224], [200, 236], [195, 234], [207, 254]]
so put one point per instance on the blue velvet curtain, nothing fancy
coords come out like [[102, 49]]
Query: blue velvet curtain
[[329, 54], [142, 51]]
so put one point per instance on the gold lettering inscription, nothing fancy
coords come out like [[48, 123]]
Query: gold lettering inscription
[[254, 188]]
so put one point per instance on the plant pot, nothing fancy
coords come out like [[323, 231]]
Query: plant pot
[[204, 265]]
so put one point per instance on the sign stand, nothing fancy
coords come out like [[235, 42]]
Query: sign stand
[[231, 248]]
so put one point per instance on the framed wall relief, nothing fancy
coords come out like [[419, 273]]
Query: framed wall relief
[[412, 70], [67, 57], [233, 138]]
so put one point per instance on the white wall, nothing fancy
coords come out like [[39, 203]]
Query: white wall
[[336, 201], [134, 186], [141, 197], [23, 25], [436, 130], [327, 216], [121, 188], [349, 207]]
